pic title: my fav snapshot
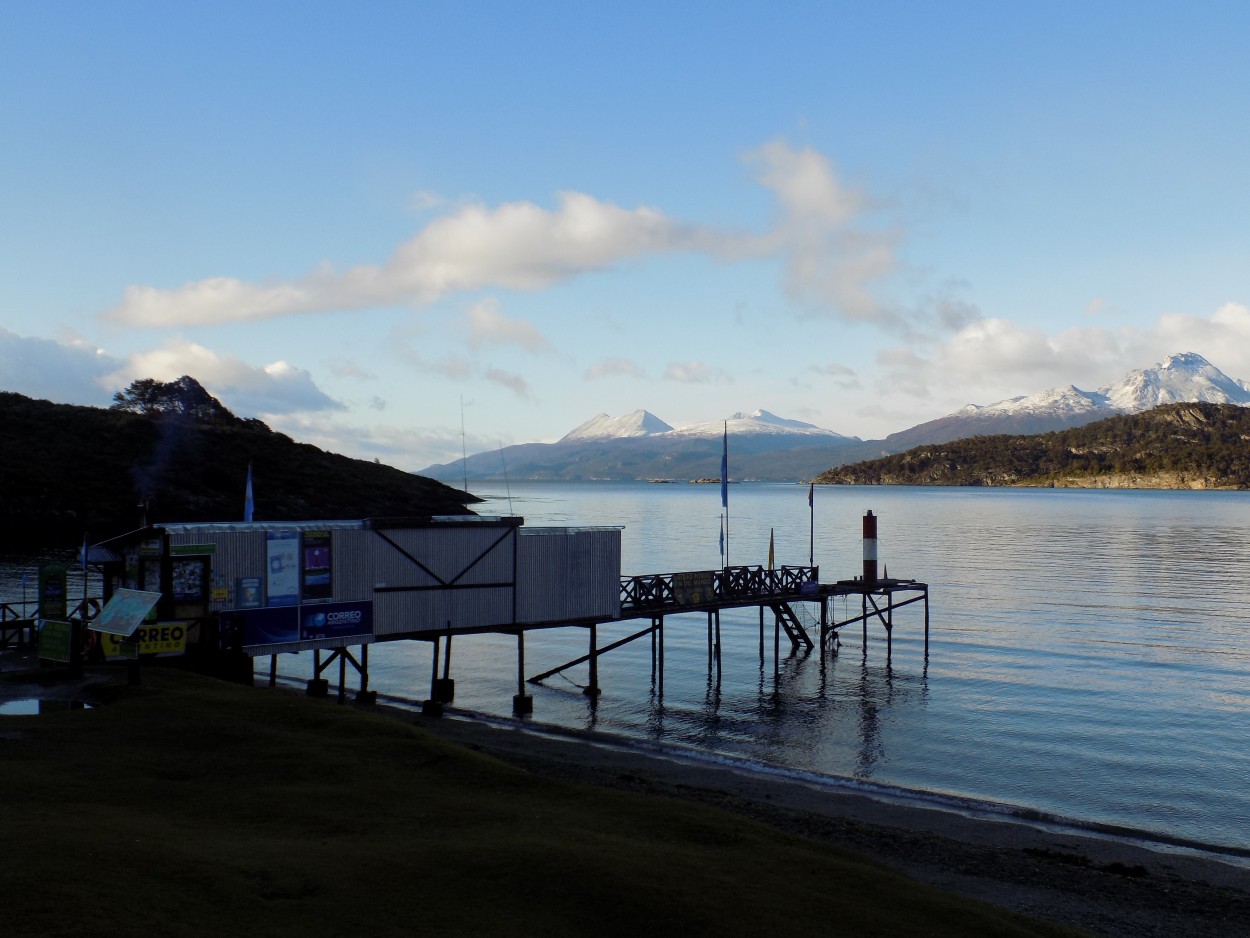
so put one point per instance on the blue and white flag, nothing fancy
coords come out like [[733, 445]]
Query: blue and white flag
[[247, 496], [724, 469]]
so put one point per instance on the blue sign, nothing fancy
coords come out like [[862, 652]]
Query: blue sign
[[270, 626], [335, 620], [291, 625]]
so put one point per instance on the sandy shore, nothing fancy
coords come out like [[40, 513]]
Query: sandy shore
[[1104, 885]]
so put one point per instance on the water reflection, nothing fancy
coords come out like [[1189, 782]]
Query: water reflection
[[33, 706], [1090, 655]]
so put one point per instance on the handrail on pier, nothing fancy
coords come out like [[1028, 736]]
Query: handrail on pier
[[709, 587]]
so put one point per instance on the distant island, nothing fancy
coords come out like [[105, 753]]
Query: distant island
[[1176, 446], [170, 452]]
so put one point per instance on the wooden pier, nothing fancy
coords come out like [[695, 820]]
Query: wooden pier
[[650, 598], [655, 596]]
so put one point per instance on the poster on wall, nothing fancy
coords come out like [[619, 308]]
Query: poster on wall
[[316, 577], [283, 569], [188, 576]]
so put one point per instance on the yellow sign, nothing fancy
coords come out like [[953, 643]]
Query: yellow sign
[[693, 589], [160, 638]]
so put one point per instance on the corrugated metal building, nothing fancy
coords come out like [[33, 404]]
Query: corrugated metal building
[[280, 587]]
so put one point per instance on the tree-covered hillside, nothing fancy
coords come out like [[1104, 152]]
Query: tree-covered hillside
[[1174, 446], [69, 470]]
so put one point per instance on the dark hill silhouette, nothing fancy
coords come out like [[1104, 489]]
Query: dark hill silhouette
[[1191, 445], [67, 471]]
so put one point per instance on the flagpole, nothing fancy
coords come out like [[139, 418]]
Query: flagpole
[[724, 485], [811, 535]]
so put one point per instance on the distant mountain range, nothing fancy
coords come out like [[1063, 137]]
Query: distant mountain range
[[766, 447], [1186, 378], [1194, 445], [642, 446]]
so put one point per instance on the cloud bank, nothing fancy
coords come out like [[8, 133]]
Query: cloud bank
[[833, 255], [247, 390]]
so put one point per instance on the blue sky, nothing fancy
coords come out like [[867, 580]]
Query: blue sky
[[346, 219]]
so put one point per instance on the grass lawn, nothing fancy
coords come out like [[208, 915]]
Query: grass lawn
[[189, 806]]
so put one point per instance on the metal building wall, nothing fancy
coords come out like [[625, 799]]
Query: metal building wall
[[241, 550], [466, 576], [568, 574], [235, 554], [428, 578]]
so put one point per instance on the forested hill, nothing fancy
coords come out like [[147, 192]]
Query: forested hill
[[67, 470], [1191, 446]]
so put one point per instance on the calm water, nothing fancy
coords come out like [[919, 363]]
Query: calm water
[[1089, 654]]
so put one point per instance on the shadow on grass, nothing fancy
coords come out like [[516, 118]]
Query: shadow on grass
[[188, 806]]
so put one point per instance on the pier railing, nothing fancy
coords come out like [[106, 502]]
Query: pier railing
[[699, 588]]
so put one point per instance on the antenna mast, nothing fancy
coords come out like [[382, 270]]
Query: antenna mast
[[464, 459]]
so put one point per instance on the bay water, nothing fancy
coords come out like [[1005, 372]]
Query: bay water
[[1089, 655]]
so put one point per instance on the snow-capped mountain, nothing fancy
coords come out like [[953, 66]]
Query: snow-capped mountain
[[760, 421], [767, 447], [1178, 378], [603, 427], [640, 445]]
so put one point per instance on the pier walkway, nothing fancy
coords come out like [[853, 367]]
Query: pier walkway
[[656, 596], [650, 597]]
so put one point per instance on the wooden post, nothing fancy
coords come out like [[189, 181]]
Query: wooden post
[[718, 643], [522, 703], [661, 631], [776, 644], [653, 649], [592, 689], [926, 621], [889, 625]]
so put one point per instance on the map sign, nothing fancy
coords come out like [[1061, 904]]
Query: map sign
[[124, 612]]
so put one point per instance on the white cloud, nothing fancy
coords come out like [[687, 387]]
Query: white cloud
[[694, 372], [517, 246], [404, 447], [72, 372], [246, 389], [806, 185], [842, 376], [614, 368], [994, 359], [513, 382], [489, 326], [834, 254]]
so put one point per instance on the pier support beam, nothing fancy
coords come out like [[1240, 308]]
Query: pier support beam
[[433, 707], [317, 685], [718, 642], [443, 690], [592, 688], [522, 703]]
